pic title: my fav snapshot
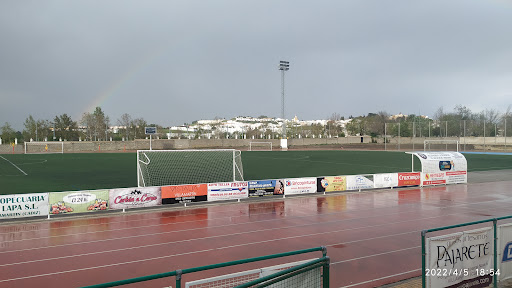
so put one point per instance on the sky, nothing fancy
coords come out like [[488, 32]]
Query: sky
[[173, 62]]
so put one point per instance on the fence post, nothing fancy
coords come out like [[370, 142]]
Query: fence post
[[326, 273], [495, 277], [423, 260], [178, 278]]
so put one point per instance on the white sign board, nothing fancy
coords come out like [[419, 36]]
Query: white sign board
[[227, 191], [385, 180], [23, 205], [463, 258], [505, 247], [134, 197], [356, 182], [299, 186]]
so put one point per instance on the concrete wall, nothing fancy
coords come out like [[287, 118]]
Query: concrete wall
[[394, 143]]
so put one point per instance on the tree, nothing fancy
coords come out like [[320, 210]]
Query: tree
[[7, 133], [30, 131], [87, 122], [65, 128], [95, 124], [138, 126], [125, 122]]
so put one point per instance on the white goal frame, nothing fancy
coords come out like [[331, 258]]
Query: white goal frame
[[438, 142], [44, 144], [251, 143], [143, 159]]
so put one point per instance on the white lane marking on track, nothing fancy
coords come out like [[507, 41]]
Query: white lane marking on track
[[240, 233], [372, 255], [14, 165], [381, 278], [226, 225], [185, 230], [195, 252]]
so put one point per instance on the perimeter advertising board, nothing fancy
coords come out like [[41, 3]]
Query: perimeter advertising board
[[442, 167], [300, 186], [126, 198], [356, 182], [409, 179], [266, 188], [331, 183], [460, 259], [227, 191], [385, 180], [505, 246], [184, 193], [78, 202], [23, 205]]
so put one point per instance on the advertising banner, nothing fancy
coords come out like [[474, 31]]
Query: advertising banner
[[409, 179], [266, 187], [433, 178], [356, 182], [505, 246], [23, 205], [453, 177], [442, 167], [386, 180], [228, 191], [78, 202], [461, 259], [184, 193], [330, 184], [300, 186], [126, 198]]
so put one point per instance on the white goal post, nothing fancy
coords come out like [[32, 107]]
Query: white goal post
[[437, 145], [260, 146], [44, 147], [177, 167]]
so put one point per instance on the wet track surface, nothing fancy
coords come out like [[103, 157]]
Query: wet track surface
[[372, 237]]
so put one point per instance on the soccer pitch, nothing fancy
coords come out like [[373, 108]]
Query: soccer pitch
[[87, 171]]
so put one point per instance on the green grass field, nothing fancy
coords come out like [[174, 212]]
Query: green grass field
[[68, 172]]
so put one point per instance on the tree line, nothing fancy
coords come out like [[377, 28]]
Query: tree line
[[458, 123], [461, 122], [91, 127]]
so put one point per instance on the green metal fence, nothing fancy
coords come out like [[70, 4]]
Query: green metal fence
[[495, 256], [322, 263]]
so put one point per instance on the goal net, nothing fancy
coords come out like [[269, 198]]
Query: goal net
[[441, 145], [176, 167], [44, 147], [260, 146]]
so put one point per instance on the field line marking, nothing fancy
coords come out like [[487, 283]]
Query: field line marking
[[14, 166]]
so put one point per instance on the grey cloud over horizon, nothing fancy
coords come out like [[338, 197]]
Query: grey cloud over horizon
[[172, 62]]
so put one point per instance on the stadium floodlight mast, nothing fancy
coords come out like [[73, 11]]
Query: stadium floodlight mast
[[283, 66]]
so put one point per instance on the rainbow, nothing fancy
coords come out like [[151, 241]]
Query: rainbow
[[124, 78]]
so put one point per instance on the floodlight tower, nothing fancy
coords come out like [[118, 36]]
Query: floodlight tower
[[283, 66]]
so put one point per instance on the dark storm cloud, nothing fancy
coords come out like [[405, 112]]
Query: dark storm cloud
[[176, 61]]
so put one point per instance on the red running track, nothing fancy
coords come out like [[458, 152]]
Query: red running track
[[373, 237]]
